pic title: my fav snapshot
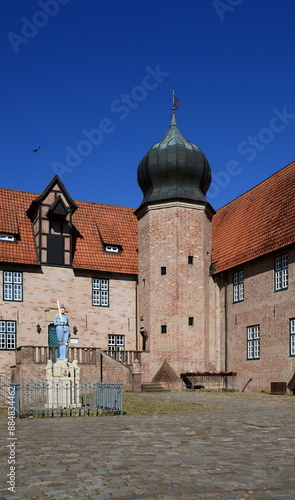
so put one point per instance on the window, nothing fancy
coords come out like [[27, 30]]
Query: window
[[116, 342], [112, 248], [238, 286], [12, 286], [190, 259], [10, 238], [281, 272], [100, 292], [191, 321], [253, 342], [7, 335], [292, 337], [163, 328], [163, 271]]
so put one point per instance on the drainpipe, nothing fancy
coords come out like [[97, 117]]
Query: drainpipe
[[225, 325], [136, 315]]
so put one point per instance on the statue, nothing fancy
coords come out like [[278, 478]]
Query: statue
[[61, 322]]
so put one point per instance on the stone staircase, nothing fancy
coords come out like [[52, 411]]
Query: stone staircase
[[153, 388]]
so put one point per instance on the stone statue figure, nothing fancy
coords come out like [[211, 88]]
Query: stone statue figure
[[61, 322]]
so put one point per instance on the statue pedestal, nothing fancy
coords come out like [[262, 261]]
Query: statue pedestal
[[62, 384], [136, 376]]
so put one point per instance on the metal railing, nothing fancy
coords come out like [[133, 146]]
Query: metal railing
[[67, 399], [4, 390], [209, 380]]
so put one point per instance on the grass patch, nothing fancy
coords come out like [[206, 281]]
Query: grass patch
[[151, 404]]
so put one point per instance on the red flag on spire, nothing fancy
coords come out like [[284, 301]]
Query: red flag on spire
[[175, 102]]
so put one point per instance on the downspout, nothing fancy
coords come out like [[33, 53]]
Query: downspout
[[216, 325], [225, 325], [136, 315]]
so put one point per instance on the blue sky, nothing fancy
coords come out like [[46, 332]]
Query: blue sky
[[91, 83]]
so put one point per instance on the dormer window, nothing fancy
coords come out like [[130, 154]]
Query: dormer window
[[10, 238], [51, 215], [113, 249]]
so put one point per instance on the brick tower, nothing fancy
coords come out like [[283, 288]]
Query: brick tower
[[174, 232]]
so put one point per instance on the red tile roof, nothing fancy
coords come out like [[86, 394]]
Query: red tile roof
[[260, 221], [106, 224], [13, 219], [8, 222], [95, 224]]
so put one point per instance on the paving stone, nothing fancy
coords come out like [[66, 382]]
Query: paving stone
[[234, 447]]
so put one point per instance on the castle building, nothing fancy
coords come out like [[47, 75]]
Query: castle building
[[173, 283]]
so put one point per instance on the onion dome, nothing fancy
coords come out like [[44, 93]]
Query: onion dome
[[174, 169]]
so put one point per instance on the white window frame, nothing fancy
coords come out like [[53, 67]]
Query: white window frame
[[292, 337], [253, 342], [100, 292], [116, 342], [9, 238], [112, 248], [281, 272], [238, 286], [12, 286], [7, 335]]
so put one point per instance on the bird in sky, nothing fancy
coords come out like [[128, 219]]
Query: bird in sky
[[35, 150]]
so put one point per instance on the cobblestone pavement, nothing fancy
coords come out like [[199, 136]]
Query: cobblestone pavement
[[237, 446]]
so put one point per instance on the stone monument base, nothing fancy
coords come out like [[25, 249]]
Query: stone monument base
[[63, 384]]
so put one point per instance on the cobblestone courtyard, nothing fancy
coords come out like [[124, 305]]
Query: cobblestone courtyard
[[186, 445]]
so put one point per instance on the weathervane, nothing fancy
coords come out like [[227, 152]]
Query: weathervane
[[175, 102]]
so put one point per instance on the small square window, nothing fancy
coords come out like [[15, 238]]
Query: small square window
[[163, 271], [113, 248], [163, 328], [10, 238], [190, 259], [191, 321]]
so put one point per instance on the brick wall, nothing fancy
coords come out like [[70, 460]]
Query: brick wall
[[168, 234], [105, 369], [42, 287], [267, 308]]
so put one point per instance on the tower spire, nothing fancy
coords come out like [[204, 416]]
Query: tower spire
[[174, 168]]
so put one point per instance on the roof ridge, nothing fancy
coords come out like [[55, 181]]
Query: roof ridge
[[103, 204], [256, 185], [18, 191]]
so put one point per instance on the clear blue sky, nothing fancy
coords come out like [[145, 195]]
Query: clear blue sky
[[74, 70]]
